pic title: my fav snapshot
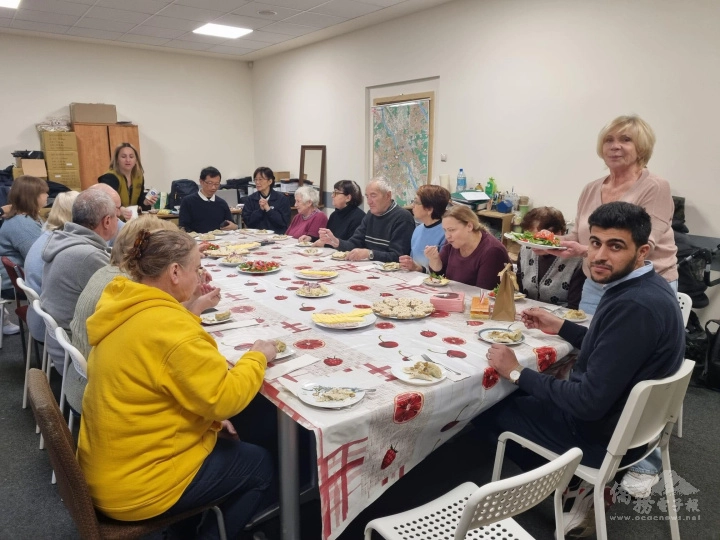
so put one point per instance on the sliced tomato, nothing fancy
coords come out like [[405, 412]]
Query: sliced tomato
[[545, 235]]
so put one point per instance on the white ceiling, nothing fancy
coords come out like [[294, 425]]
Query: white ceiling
[[278, 25]]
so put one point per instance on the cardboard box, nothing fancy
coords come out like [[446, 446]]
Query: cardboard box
[[58, 141], [281, 175], [17, 171], [93, 113], [34, 167], [70, 179], [62, 161]]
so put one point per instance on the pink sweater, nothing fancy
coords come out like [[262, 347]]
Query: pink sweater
[[300, 227], [653, 194]]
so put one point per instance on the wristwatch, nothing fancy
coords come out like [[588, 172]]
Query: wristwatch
[[371, 256], [515, 375], [2, 212]]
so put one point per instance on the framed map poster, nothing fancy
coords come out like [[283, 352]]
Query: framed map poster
[[402, 133]]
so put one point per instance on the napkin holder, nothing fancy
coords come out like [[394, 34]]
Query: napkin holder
[[452, 302]]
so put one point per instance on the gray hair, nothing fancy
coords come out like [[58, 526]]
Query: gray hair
[[308, 193], [382, 184], [90, 207]]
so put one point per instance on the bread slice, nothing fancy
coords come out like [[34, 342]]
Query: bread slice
[[223, 315], [480, 307]]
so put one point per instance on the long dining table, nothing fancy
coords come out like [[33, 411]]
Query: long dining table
[[393, 422]]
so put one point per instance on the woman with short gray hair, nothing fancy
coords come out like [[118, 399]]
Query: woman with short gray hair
[[310, 218]]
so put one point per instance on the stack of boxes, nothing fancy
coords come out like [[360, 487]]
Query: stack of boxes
[[61, 156]]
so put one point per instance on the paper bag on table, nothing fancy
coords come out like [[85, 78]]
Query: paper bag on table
[[504, 309]]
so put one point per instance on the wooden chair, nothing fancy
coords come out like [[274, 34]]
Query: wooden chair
[[14, 272], [74, 491], [648, 418], [471, 512]]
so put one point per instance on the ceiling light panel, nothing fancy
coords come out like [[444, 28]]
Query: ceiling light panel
[[220, 30]]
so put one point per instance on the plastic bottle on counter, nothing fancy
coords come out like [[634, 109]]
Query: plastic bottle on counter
[[490, 187], [461, 182]]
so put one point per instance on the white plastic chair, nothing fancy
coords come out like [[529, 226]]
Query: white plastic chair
[[31, 296], [78, 361], [648, 418], [685, 303], [486, 512]]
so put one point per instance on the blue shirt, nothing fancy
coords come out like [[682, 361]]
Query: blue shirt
[[423, 236]]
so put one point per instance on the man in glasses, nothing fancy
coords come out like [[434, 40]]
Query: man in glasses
[[204, 212]]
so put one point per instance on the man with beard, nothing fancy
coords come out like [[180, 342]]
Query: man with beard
[[635, 335]]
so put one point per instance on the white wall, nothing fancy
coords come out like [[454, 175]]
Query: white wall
[[192, 111], [524, 88]]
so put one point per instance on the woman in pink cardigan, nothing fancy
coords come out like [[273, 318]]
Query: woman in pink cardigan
[[309, 218], [625, 145]]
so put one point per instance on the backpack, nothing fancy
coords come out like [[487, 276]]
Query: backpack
[[180, 189], [711, 370]]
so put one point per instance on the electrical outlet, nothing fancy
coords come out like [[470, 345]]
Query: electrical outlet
[[443, 157]]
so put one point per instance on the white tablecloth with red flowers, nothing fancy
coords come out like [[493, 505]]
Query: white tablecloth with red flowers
[[362, 450]]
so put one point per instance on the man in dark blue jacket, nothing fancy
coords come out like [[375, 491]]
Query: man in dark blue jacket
[[635, 335]]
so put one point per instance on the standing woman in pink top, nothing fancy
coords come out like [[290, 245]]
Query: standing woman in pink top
[[625, 145]]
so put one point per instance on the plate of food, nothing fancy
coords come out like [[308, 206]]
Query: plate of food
[[435, 280], [264, 232], [502, 336], [389, 266], [574, 315], [258, 267], [518, 294], [420, 374], [313, 290], [280, 237], [219, 232], [206, 237], [245, 246], [231, 260], [330, 393], [339, 255], [543, 239], [219, 317], [283, 351], [349, 320], [313, 252], [309, 273], [304, 244], [403, 308]]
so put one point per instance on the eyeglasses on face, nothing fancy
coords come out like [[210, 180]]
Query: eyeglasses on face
[[212, 184], [417, 202], [337, 193]]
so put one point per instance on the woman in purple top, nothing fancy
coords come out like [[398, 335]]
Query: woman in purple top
[[472, 255], [309, 218]]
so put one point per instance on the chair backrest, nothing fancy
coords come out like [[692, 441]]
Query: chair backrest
[[71, 482], [685, 303], [76, 356], [30, 293], [506, 498], [14, 272], [50, 323], [651, 406]]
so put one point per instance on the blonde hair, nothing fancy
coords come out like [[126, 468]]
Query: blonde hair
[[61, 211], [126, 236], [464, 215], [137, 169], [640, 132], [152, 252]]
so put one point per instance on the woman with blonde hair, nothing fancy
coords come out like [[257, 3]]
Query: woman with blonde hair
[[309, 219], [126, 176], [164, 392], [471, 255], [60, 213]]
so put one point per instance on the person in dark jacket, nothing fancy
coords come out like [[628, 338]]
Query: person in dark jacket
[[266, 208], [203, 212], [126, 176], [347, 199], [635, 335]]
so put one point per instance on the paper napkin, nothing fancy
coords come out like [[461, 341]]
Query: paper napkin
[[289, 366]]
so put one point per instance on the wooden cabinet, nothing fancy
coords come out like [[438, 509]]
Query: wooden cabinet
[[498, 223], [96, 143]]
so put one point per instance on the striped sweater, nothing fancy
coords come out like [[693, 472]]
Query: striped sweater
[[388, 235]]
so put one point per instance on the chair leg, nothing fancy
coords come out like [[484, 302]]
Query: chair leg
[[599, 501], [499, 455], [679, 422], [670, 493], [31, 341], [22, 335], [220, 522], [62, 386]]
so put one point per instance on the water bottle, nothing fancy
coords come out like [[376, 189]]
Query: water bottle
[[461, 182]]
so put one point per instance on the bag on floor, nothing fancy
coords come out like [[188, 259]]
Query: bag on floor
[[711, 372]]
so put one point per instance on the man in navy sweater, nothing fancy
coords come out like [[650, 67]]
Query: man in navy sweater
[[204, 212], [636, 334]]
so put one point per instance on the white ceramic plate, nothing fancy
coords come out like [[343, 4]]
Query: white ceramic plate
[[367, 321], [287, 352], [280, 237], [429, 283], [313, 252], [299, 293], [532, 245], [305, 394], [300, 274], [220, 233], [483, 335], [223, 262], [264, 233], [397, 370], [334, 256], [258, 273], [304, 244], [209, 320], [583, 319]]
